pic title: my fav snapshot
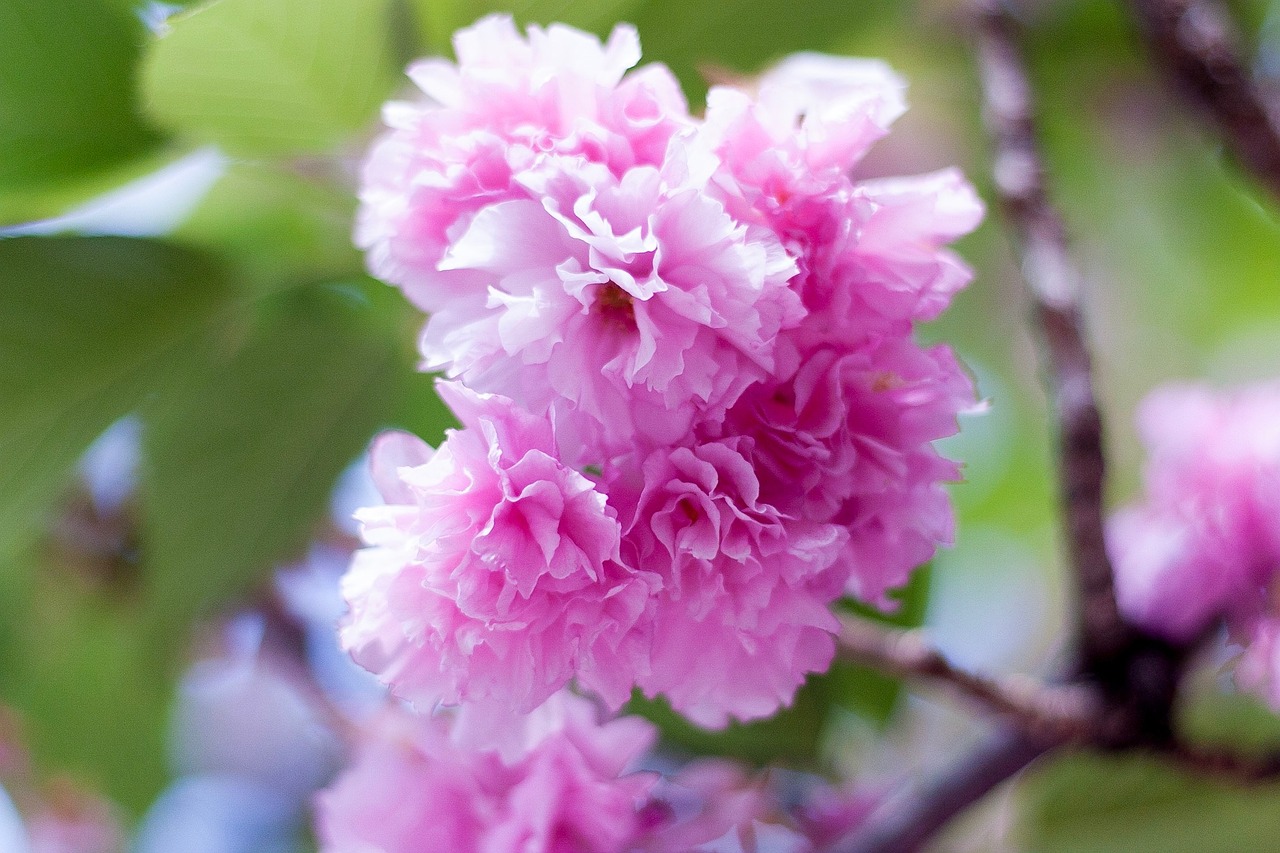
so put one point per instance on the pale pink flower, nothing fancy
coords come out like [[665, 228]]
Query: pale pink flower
[[811, 119], [712, 805], [637, 302], [494, 572], [743, 612], [412, 789], [872, 253], [509, 102]]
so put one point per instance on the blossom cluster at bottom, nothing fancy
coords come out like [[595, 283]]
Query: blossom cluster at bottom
[[563, 783]]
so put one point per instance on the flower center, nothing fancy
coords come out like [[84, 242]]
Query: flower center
[[614, 307]]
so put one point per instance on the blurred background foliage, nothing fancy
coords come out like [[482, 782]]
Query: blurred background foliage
[[232, 325]]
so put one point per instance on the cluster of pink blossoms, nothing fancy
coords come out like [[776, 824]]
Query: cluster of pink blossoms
[[1205, 544], [563, 783], [694, 414]]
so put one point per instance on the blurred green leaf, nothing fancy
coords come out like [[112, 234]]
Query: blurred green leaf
[[743, 35], [871, 693], [271, 76], [94, 703], [277, 227], [1097, 804], [1240, 722], [239, 468], [438, 19], [88, 326], [66, 90], [47, 200]]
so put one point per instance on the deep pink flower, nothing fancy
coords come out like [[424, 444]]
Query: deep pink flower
[[494, 572], [412, 789], [743, 612], [848, 439]]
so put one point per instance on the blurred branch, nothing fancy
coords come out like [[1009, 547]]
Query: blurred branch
[[1196, 45], [1053, 713], [906, 822], [1244, 769], [1055, 288], [1137, 674]]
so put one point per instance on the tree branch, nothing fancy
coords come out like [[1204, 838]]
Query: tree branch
[[1051, 713], [1243, 769], [1195, 44], [1054, 286], [906, 822]]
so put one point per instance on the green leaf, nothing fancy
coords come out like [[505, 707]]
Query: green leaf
[[66, 90], [239, 468], [1096, 804], [277, 227], [47, 200], [743, 35], [1237, 722], [94, 703], [271, 76], [438, 19], [88, 326]]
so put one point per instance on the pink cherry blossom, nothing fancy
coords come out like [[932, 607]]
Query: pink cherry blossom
[[507, 104], [635, 301], [714, 317], [493, 573], [848, 439], [743, 611], [872, 253], [412, 789]]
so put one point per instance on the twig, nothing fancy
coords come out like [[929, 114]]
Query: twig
[[1242, 769], [1194, 42], [1052, 713], [1054, 285], [906, 822]]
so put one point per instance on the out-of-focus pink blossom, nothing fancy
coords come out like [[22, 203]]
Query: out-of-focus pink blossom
[[1204, 545], [567, 785], [1258, 669], [494, 572], [413, 790], [1205, 542], [71, 819]]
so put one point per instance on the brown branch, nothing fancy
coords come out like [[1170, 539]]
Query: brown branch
[[906, 822], [1242, 769], [1195, 44], [1054, 285], [1051, 713]]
